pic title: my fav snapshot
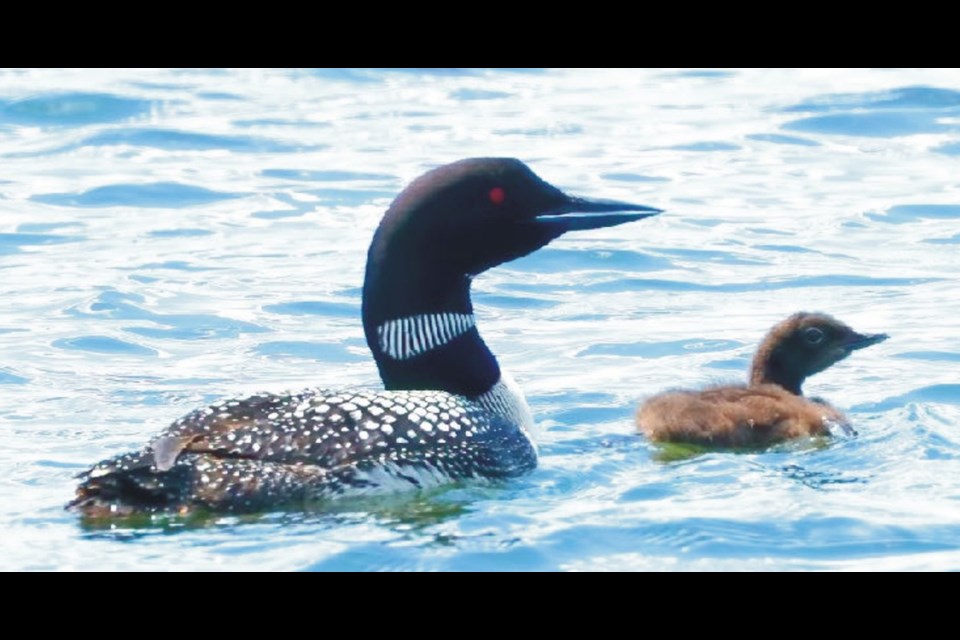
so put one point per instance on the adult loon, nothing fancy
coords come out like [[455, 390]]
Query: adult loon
[[447, 413], [771, 408]]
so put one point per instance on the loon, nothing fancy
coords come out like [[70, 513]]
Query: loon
[[771, 408], [448, 413]]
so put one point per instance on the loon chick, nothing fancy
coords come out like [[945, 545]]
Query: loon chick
[[447, 413], [771, 408]]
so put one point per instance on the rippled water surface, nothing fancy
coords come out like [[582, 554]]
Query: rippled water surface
[[168, 238]]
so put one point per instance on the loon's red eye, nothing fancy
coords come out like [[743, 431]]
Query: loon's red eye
[[497, 195]]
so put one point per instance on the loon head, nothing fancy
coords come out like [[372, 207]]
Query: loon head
[[468, 216], [448, 225], [805, 344]]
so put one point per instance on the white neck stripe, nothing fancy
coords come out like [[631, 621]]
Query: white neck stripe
[[408, 337]]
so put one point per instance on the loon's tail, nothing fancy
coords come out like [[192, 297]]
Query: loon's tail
[[129, 484], [134, 483]]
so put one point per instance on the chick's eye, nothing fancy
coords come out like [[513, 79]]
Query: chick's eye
[[813, 335], [497, 195]]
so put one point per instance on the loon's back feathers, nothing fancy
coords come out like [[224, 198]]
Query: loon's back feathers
[[295, 448], [448, 413]]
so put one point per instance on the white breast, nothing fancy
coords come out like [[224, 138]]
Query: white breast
[[506, 399]]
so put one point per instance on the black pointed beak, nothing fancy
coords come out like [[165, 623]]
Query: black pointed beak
[[858, 341], [580, 213]]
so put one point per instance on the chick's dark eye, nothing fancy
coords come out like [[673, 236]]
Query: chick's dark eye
[[497, 195], [813, 335]]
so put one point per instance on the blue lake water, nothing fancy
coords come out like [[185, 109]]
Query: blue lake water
[[173, 237]]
